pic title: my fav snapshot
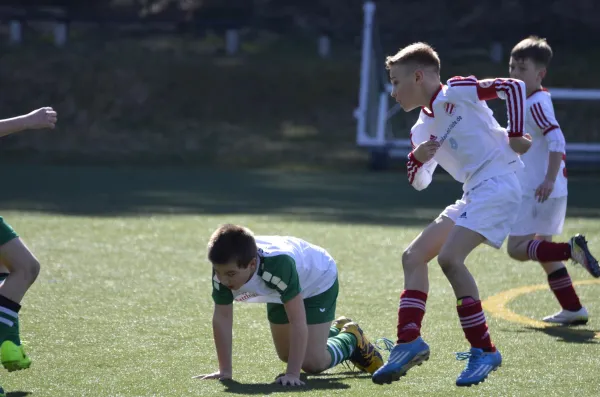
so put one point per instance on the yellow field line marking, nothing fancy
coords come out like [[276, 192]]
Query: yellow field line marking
[[497, 305]]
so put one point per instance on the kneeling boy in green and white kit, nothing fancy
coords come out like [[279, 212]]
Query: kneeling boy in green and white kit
[[298, 281]]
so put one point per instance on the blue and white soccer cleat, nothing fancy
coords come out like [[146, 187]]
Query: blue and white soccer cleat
[[479, 365], [403, 357], [581, 254]]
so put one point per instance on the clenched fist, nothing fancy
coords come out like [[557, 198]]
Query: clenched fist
[[41, 118]]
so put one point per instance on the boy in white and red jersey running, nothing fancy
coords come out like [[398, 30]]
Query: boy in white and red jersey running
[[456, 130], [544, 185]]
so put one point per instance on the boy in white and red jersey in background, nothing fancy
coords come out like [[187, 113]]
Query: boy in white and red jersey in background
[[544, 185], [457, 130]]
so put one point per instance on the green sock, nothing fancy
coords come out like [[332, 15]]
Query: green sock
[[9, 318], [333, 331], [340, 347]]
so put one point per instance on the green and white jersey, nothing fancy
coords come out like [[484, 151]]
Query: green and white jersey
[[287, 267]]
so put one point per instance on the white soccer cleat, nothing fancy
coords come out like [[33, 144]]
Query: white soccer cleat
[[567, 317]]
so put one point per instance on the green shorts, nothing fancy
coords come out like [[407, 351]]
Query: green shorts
[[319, 308], [6, 232]]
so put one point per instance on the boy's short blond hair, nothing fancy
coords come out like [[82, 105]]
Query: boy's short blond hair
[[535, 48], [417, 53]]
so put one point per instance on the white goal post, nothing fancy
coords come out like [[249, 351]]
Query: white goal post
[[375, 107]]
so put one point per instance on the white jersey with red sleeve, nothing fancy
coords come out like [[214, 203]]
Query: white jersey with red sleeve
[[473, 146], [420, 175], [547, 137]]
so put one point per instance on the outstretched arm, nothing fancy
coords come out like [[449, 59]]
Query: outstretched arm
[[40, 118]]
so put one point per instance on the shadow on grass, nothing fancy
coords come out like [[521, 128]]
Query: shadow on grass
[[369, 198], [565, 334], [363, 198], [18, 393], [310, 384], [570, 334]]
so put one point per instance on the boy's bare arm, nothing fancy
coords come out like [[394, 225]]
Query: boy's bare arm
[[222, 332], [547, 186], [41, 118], [296, 313]]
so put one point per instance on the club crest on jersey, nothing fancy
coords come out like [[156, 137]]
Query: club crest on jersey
[[450, 108], [432, 137]]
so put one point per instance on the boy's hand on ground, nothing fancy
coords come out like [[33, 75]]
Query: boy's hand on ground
[[290, 380], [215, 375]]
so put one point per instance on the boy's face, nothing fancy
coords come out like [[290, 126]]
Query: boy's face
[[527, 71], [406, 82], [234, 277]]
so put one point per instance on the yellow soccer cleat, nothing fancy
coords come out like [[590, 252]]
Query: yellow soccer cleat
[[340, 322], [14, 357], [365, 356]]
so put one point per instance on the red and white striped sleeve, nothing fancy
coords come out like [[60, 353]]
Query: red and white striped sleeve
[[543, 116], [419, 175], [511, 90], [542, 113]]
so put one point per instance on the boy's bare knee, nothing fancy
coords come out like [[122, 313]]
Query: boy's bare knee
[[446, 261], [514, 250], [313, 367], [411, 259], [514, 254], [283, 357]]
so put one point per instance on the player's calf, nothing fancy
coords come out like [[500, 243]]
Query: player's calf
[[460, 278]]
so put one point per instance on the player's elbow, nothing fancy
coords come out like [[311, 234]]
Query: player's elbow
[[419, 186], [223, 313], [556, 142], [422, 182]]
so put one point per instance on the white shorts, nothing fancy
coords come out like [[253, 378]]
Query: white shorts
[[544, 219], [490, 208]]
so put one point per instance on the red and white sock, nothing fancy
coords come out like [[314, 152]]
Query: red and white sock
[[562, 287], [410, 315], [547, 251], [474, 325]]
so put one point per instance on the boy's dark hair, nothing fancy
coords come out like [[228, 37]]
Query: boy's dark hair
[[534, 48], [232, 243], [421, 54]]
